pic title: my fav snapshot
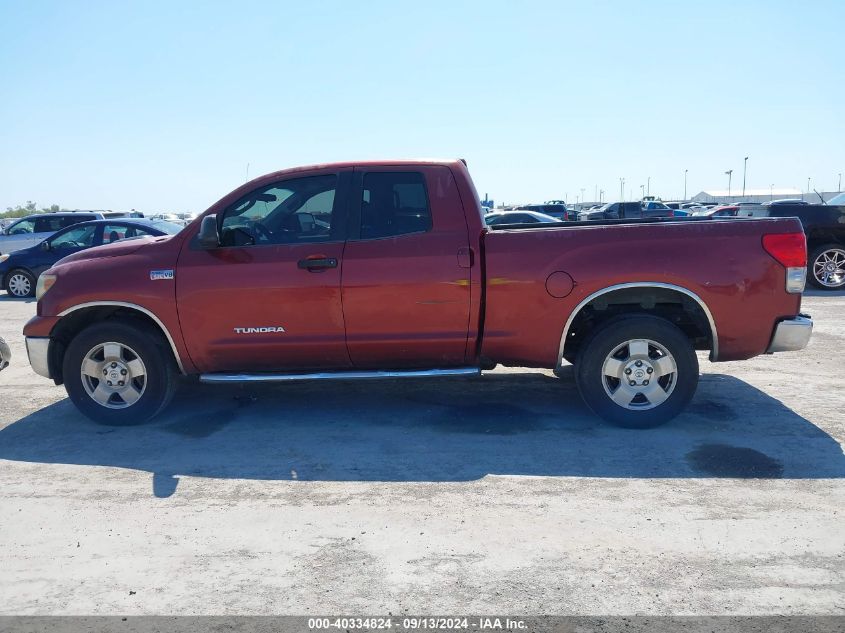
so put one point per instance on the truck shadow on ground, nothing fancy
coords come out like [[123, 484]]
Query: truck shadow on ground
[[432, 431], [5, 297]]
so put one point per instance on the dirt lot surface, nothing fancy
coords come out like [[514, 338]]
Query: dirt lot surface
[[500, 494]]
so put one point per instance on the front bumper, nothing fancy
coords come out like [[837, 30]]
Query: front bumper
[[38, 350], [791, 334], [5, 355]]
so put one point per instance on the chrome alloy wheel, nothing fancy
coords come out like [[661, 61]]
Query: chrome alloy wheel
[[829, 268], [113, 375], [20, 285], [639, 374]]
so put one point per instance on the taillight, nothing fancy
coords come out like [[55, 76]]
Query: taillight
[[790, 250]]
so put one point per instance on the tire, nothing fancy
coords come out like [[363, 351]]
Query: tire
[[827, 267], [609, 359], [134, 358], [20, 283]]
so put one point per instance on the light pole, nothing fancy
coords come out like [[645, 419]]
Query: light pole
[[642, 191], [744, 167], [839, 188], [808, 188], [582, 195], [622, 189], [685, 184], [648, 186], [771, 192], [728, 174], [601, 195]]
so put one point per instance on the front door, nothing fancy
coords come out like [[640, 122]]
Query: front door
[[269, 297]]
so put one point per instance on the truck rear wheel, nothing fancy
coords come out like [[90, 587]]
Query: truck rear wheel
[[118, 373], [637, 371]]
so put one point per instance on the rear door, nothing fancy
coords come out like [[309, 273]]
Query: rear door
[[407, 269], [269, 297]]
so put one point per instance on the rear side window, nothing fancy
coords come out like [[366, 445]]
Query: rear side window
[[48, 224], [70, 220], [117, 232], [394, 203]]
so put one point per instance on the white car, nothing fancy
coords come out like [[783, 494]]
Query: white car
[[517, 217]]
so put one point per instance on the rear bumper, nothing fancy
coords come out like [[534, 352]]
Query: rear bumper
[[38, 350], [791, 334]]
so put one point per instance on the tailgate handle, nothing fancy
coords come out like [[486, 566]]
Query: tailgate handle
[[317, 263]]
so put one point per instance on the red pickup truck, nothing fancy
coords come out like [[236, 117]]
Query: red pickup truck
[[386, 269]]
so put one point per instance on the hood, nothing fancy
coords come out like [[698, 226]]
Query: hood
[[123, 247]]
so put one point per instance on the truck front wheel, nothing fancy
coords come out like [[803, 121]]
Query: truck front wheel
[[118, 373], [637, 371]]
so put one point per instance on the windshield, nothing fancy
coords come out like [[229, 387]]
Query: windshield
[[837, 200]]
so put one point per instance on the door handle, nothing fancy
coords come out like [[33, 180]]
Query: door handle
[[318, 263]]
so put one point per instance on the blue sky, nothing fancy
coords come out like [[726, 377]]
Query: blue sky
[[160, 105]]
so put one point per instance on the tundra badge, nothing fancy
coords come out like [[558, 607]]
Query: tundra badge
[[161, 274], [271, 329]]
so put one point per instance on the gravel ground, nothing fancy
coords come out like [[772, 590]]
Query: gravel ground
[[499, 494]]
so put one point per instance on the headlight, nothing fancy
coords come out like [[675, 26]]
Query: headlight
[[3, 258], [45, 282]]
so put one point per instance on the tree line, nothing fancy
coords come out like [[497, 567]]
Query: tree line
[[28, 209]]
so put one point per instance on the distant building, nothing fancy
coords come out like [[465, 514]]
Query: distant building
[[759, 195]]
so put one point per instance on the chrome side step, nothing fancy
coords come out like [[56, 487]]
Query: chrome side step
[[340, 375]]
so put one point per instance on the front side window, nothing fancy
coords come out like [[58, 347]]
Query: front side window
[[22, 227], [80, 237], [290, 212], [394, 203]]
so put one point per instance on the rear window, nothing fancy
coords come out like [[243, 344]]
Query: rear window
[[394, 203]]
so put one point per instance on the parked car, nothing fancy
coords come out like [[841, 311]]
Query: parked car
[[613, 211], [30, 230], [824, 225], [5, 354], [517, 217], [556, 210], [724, 211], [427, 289], [20, 270], [656, 209], [785, 201]]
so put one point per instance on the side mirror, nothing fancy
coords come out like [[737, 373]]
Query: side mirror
[[45, 245], [208, 236]]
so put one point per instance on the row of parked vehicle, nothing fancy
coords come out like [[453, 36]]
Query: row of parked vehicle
[[824, 224], [31, 245]]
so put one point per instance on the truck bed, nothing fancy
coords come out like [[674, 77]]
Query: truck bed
[[719, 261]]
